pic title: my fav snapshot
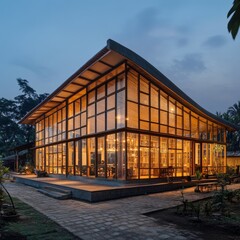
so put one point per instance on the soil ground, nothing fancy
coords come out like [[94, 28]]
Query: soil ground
[[208, 227]]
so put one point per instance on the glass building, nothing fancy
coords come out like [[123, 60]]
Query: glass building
[[118, 117]]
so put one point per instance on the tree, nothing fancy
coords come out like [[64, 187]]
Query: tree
[[234, 22], [13, 134]]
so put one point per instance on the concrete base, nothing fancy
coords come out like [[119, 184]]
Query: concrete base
[[96, 192]]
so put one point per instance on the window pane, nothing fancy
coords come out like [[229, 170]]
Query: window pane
[[91, 97], [77, 106], [163, 101], [144, 98], [194, 127], [83, 102], [163, 118], [83, 119], [101, 92], [91, 125], [132, 113], [91, 110], [132, 87], [101, 122], [132, 156], [111, 102], [144, 113], [121, 81], [70, 124], [144, 85], [154, 115], [121, 109], [77, 122], [101, 106], [111, 87], [111, 120], [70, 110], [154, 97]]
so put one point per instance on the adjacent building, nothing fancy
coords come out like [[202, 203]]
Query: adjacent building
[[118, 117]]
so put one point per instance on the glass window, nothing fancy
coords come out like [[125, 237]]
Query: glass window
[[77, 122], [154, 97], [121, 81], [121, 109], [172, 120], [91, 156], [154, 115], [163, 118], [163, 101], [101, 92], [144, 125], [132, 84], [63, 113], [121, 161], [132, 156], [84, 169], [70, 158], [111, 120], [179, 122], [91, 97], [77, 106], [111, 87], [101, 122], [101, 169], [83, 119], [144, 85], [111, 102], [70, 124], [91, 125], [144, 99], [70, 110], [186, 121], [144, 140], [83, 101], [194, 127], [101, 106], [91, 110], [132, 113], [111, 156], [144, 113]]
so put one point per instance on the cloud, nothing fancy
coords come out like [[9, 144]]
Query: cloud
[[191, 63], [32, 66], [215, 41]]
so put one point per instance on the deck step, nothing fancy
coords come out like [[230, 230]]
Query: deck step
[[57, 193]]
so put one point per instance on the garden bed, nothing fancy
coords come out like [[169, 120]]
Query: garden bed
[[214, 218]]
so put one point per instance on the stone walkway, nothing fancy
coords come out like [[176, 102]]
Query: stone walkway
[[116, 219]]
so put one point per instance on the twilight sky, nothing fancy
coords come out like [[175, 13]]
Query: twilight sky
[[46, 41]]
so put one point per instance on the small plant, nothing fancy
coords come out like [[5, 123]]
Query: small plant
[[198, 177], [3, 171], [208, 208]]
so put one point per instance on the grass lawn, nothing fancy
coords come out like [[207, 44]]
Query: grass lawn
[[32, 225]]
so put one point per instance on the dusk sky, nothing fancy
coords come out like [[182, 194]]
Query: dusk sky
[[46, 41]]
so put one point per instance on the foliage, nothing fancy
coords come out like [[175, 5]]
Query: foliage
[[13, 134], [233, 116], [234, 22]]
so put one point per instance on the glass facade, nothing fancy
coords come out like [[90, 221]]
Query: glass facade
[[125, 126]]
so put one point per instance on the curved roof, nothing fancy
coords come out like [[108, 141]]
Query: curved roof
[[103, 62]]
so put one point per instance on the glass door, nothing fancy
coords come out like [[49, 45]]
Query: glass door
[[101, 163], [197, 154]]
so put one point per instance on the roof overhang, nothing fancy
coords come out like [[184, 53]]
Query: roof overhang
[[103, 62]]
